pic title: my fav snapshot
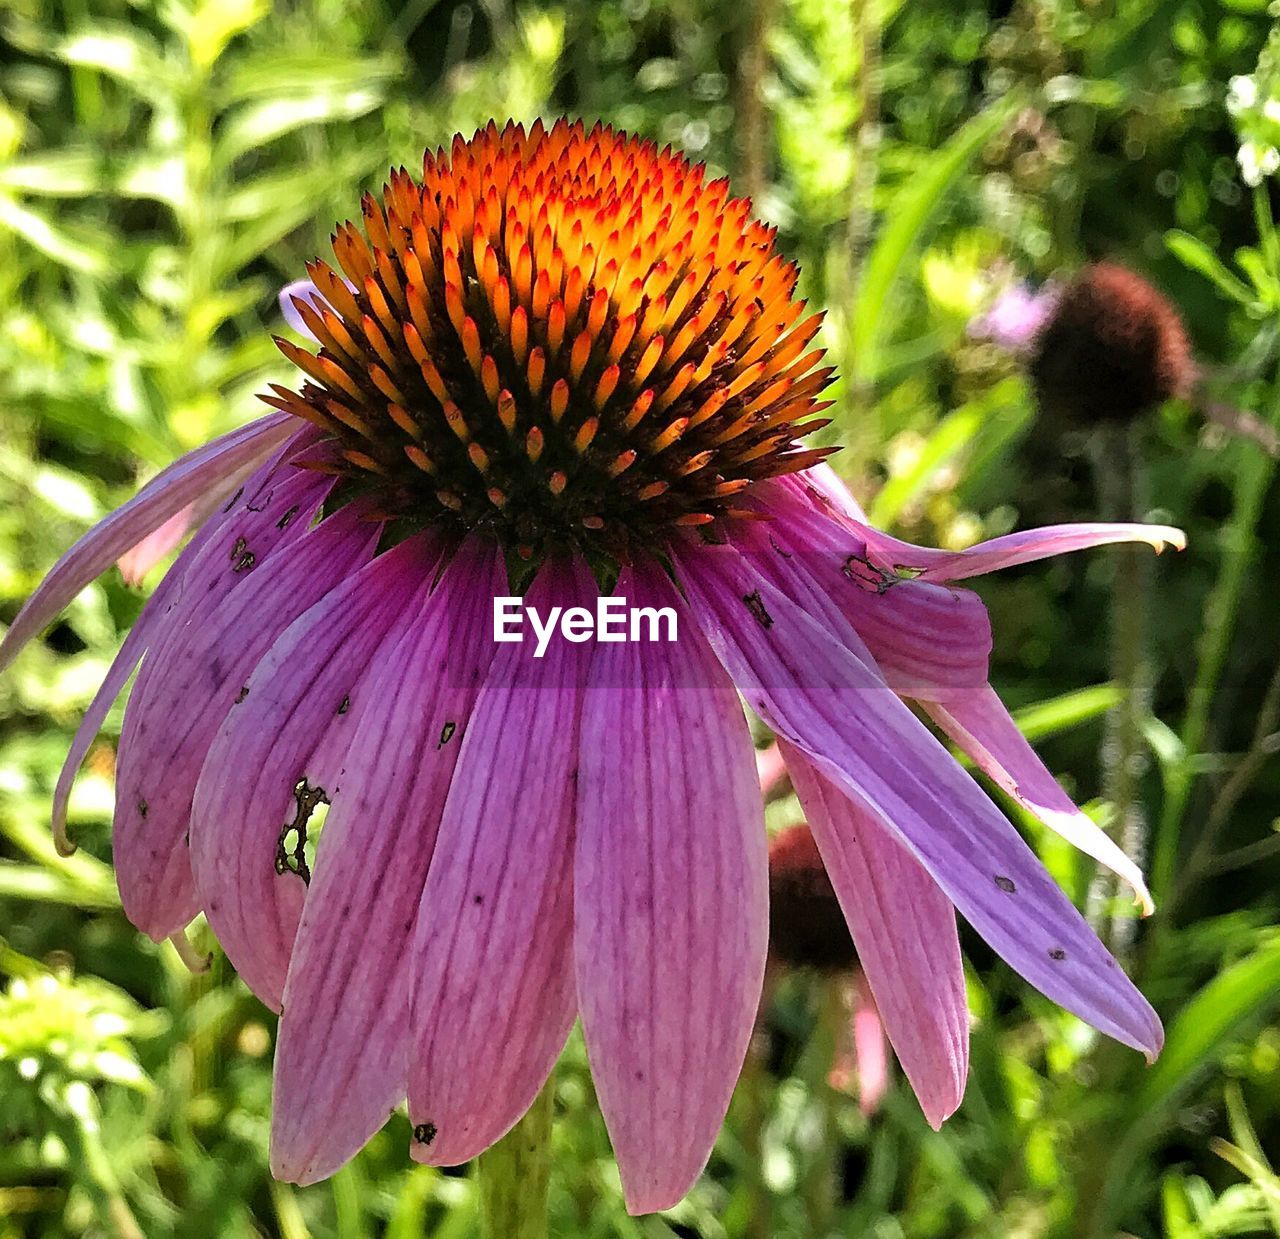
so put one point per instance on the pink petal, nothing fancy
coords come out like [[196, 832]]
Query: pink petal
[[304, 707], [166, 494], [342, 1056], [670, 898], [984, 729], [905, 930], [870, 1051], [1023, 548], [824, 490], [136, 562], [188, 685], [930, 641], [492, 955], [812, 691], [823, 484], [167, 609], [146, 628]]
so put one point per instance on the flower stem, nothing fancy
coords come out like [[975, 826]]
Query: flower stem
[[1124, 753], [1239, 551], [514, 1175]]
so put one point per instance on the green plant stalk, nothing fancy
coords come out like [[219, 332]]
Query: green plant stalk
[[819, 1186], [1119, 468], [1239, 553], [514, 1175], [753, 114], [753, 1088]]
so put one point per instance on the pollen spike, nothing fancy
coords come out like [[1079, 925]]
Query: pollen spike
[[506, 404], [558, 295], [559, 399]]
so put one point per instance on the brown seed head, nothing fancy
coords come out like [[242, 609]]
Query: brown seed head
[[806, 926], [1112, 350]]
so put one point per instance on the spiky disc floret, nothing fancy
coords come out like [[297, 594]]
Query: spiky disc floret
[[567, 337]]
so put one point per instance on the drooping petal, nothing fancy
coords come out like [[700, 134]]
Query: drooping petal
[[821, 487], [492, 954], [342, 1055], [1022, 548], [905, 930], [984, 729], [860, 735], [138, 560], [931, 642], [670, 897], [166, 610], [186, 688], [871, 1053], [823, 483], [166, 494], [290, 734]]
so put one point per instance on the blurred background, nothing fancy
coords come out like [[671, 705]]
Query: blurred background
[[165, 167]]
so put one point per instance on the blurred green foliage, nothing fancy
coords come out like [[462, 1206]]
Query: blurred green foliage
[[165, 165]]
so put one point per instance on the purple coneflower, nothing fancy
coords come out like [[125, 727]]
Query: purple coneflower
[[562, 359]]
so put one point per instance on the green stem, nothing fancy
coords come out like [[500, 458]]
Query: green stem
[[860, 225], [514, 1175], [819, 1186], [1240, 550], [1124, 756]]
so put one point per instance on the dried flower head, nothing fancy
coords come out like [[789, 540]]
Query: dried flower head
[[807, 929], [1111, 350]]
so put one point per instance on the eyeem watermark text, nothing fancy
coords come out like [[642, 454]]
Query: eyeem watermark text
[[613, 620]]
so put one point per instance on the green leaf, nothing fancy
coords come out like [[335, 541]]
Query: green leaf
[[122, 52], [949, 438], [907, 216], [255, 125], [1197, 256], [55, 173], [1048, 718], [1245, 993], [81, 251]]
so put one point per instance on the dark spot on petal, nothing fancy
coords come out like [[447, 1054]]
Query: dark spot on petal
[[143, 807], [287, 517], [1005, 884], [755, 604], [245, 562], [477, 900], [1057, 953], [446, 733], [238, 549], [776, 547], [424, 1133], [231, 503], [344, 705], [242, 694], [262, 507]]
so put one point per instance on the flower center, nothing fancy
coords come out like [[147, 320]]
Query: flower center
[[565, 337]]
